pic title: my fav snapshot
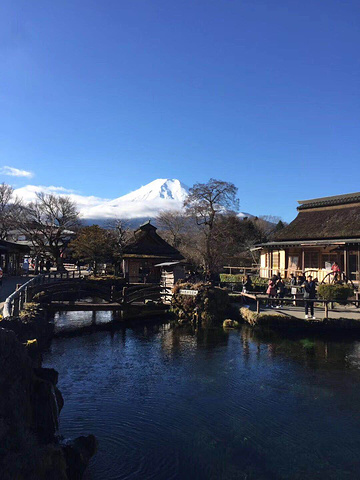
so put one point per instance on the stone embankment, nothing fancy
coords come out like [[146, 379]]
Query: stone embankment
[[30, 404], [280, 320]]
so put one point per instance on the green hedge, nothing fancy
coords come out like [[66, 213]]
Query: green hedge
[[227, 278], [338, 293]]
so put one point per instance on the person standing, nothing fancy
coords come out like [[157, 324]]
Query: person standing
[[336, 271], [25, 266], [42, 265], [48, 265], [309, 295], [280, 290], [271, 292], [247, 284]]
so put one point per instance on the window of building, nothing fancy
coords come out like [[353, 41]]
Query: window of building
[[276, 260], [311, 260], [327, 259]]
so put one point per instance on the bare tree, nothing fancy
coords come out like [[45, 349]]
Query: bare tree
[[50, 222], [205, 202], [122, 236], [9, 210], [175, 224]]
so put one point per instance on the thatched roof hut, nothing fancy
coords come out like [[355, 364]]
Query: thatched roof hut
[[144, 252], [335, 217], [326, 230]]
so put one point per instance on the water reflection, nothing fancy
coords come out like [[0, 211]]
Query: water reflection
[[72, 321], [173, 403]]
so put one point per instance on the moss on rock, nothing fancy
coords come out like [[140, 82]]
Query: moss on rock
[[210, 305]]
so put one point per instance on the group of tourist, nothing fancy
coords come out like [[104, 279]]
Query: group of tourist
[[276, 291]]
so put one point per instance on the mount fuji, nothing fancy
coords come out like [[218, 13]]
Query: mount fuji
[[145, 202], [141, 204]]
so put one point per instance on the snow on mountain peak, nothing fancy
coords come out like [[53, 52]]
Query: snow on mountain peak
[[162, 188], [146, 201]]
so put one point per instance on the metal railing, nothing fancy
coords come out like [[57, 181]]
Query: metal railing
[[15, 302]]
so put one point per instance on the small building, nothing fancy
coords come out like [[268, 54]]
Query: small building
[[12, 256], [326, 230], [171, 272], [141, 258]]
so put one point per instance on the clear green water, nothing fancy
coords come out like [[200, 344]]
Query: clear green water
[[168, 403]]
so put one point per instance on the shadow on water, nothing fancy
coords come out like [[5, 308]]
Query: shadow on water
[[177, 403]]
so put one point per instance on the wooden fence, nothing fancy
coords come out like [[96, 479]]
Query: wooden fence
[[262, 298]]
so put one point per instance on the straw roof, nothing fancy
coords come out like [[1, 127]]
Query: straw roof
[[147, 243], [323, 223]]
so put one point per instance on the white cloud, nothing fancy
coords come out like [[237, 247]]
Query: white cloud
[[28, 194], [15, 172]]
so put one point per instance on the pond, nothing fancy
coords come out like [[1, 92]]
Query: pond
[[170, 403]]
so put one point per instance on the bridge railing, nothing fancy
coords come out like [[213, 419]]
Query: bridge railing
[[154, 292], [15, 302]]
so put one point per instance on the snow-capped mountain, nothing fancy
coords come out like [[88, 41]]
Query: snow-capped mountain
[[141, 204], [147, 201], [162, 188], [244, 215]]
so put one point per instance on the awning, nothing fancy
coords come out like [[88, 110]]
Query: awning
[[310, 243]]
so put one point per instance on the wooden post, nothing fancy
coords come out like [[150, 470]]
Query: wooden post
[[346, 263], [303, 260], [326, 310], [257, 305]]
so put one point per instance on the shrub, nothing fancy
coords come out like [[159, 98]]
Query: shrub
[[227, 278], [337, 292], [259, 284], [210, 303], [228, 323], [29, 311]]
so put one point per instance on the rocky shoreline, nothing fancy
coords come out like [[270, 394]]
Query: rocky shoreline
[[30, 405]]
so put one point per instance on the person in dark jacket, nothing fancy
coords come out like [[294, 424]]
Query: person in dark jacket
[[280, 290], [309, 294], [247, 284]]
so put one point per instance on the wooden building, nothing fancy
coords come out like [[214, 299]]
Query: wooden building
[[326, 230], [171, 272], [12, 256], [142, 256]]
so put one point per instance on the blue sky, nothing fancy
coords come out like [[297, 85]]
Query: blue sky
[[105, 96]]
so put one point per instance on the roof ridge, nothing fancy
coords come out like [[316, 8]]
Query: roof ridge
[[332, 200]]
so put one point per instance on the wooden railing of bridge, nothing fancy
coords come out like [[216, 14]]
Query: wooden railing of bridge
[[129, 295], [15, 302]]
